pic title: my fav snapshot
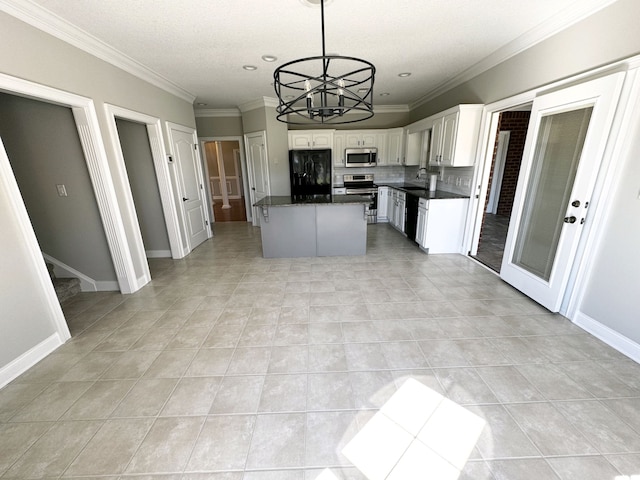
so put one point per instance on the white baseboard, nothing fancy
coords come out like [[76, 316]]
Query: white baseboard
[[609, 336], [28, 359], [158, 253]]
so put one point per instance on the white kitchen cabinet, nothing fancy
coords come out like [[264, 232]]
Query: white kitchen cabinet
[[300, 139], [454, 136], [413, 149], [443, 230], [421, 224], [338, 149], [396, 209], [383, 201], [394, 151], [361, 139], [381, 145]]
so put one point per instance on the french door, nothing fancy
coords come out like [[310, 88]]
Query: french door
[[567, 135]]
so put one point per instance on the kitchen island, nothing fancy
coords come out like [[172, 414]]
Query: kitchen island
[[313, 225]]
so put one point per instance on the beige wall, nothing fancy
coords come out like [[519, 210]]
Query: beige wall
[[379, 120], [33, 55], [606, 36], [219, 126]]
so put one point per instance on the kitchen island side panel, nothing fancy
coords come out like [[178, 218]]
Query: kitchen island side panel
[[341, 230], [288, 232]]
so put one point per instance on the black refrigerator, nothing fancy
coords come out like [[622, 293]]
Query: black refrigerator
[[310, 172]]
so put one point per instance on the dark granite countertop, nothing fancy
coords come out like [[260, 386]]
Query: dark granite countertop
[[289, 201], [437, 195]]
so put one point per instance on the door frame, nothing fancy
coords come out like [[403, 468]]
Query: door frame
[[158, 153], [610, 163], [249, 185], [86, 118], [243, 169], [185, 241]]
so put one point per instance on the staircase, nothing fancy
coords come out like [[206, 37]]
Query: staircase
[[65, 287]]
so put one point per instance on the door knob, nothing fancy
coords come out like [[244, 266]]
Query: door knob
[[184, 199], [570, 219], [575, 203]]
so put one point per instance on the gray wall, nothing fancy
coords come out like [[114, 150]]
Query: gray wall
[[34, 55], [264, 118], [44, 149], [138, 159], [609, 35], [606, 36], [379, 120], [219, 126]]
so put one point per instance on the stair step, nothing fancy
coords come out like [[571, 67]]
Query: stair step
[[66, 288]]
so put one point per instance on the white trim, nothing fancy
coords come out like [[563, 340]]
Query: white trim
[[498, 171], [255, 219], [95, 155], [42, 19], [560, 22], [158, 153], [218, 112], [258, 103], [615, 340], [28, 359], [158, 253], [62, 270]]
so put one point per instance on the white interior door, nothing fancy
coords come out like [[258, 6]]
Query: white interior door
[[567, 135], [258, 170], [190, 185]]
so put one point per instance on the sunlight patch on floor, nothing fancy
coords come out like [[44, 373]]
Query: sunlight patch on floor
[[417, 433]]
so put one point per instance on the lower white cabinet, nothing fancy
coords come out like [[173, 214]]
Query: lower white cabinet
[[383, 201], [396, 209], [443, 228]]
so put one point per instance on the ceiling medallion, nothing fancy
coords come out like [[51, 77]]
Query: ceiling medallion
[[324, 88]]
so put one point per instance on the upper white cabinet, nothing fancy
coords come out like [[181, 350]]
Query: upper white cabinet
[[394, 152], [454, 136], [299, 139], [361, 139], [414, 148]]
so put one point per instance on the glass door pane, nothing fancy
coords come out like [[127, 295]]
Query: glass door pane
[[555, 162]]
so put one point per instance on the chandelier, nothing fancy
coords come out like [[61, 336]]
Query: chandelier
[[323, 89]]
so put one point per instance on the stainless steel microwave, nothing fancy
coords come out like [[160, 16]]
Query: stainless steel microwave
[[361, 157]]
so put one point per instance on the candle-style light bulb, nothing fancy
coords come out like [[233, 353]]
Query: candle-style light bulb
[[340, 96], [307, 87]]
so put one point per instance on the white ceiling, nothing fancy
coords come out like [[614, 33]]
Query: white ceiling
[[201, 45]]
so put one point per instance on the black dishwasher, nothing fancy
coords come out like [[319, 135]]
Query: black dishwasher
[[411, 218]]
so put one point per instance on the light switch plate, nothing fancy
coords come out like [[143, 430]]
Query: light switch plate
[[62, 190]]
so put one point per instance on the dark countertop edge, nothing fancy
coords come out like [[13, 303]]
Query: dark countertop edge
[[437, 195], [287, 201]]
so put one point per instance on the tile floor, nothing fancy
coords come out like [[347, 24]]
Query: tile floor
[[229, 366]]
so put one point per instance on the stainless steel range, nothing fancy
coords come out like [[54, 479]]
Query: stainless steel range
[[363, 185]]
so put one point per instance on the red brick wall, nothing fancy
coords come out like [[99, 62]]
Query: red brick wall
[[516, 123]]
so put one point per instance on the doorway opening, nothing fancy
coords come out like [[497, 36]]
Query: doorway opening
[[226, 186], [503, 179]]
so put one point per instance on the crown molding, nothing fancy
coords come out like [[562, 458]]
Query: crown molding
[[562, 21], [258, 103], [218, 112], [391, 109], [42, 19]]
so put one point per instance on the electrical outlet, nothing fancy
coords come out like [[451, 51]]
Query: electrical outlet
[[458, 181], [466, 182], [62, 190], [449, 180]]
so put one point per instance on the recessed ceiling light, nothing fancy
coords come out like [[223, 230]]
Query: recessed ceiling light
[[251, 68], [363, 90], [404, 74], [200, 104], [269, 58], [385, 94], [290, 96]]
